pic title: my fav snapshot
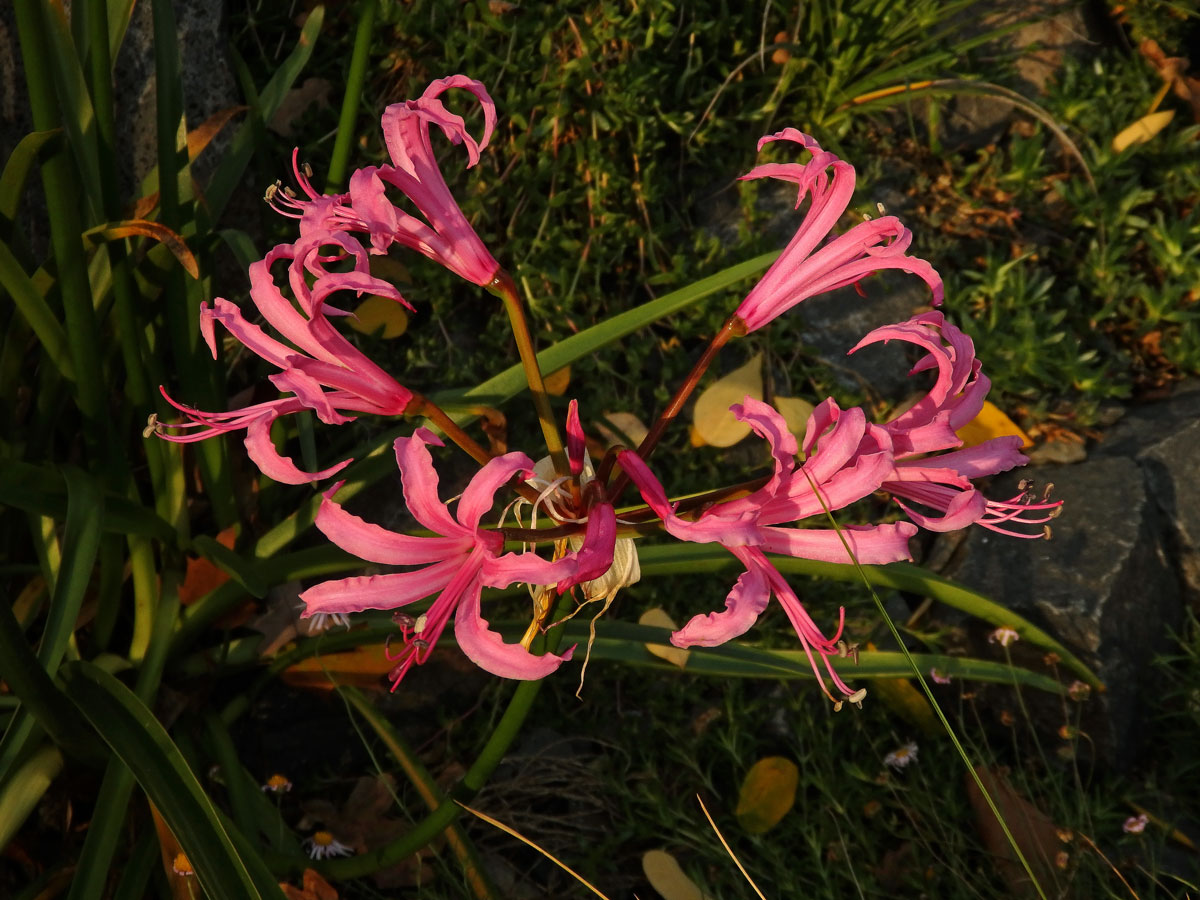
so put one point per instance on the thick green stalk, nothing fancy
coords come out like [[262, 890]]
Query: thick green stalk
[[507, 290], [353, 97]]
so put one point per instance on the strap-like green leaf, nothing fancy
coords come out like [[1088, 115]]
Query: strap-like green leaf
[[626, 642], [81, 540], [674, 559], [17, 169], [41, 489], [136, 736], [511, 381], [36, 312]]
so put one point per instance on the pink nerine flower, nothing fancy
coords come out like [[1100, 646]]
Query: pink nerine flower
[[942, 481], [325, 359], [442, 232], [458, 562], [846, 459], [804, 271]]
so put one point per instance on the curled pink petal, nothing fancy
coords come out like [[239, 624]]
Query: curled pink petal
[[743, 606], [261, 450], [488, 650]]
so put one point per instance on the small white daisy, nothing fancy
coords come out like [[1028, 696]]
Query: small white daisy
[[323, 844], [901, 757]]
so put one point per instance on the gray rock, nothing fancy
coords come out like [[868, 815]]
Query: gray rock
[[207, 80], [1104, 585], [1164, 438], [829, 325]]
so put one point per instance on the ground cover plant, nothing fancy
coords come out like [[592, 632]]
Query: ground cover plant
[[174, 729]]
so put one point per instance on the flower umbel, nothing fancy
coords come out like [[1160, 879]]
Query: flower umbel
[[457, 563]]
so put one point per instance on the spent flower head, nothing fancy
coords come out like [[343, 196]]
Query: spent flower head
[[1004, 636], [1136, 824]]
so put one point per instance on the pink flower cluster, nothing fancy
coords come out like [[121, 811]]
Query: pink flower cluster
[[842, 458]]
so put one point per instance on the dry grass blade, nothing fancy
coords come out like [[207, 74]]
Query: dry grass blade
[[737, 862], [953, 85], [524, 840], [1087, 840]]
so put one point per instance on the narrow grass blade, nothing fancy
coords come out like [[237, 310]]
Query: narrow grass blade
[[136, 736], [888, 96]]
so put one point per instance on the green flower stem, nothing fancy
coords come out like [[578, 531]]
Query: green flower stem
[[503, 286], [423, 406], [351, 100], [733, 327]]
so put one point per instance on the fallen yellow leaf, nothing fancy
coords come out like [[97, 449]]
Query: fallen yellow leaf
[[557, 381], [376, 314], [1142, 130], [658, 618], [991, 423], [795, 412], [621, 428], [667, 877], [362, 667], [713, 421], [768, 793]]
